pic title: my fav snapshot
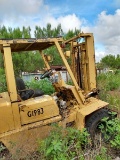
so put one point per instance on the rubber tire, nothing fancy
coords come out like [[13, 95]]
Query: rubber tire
[[94, 120]]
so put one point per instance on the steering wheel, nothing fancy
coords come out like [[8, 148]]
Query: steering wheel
[[46, 74]]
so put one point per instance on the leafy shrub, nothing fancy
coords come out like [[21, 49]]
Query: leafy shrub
[[44, 85], [63, 144], [111, 131], [70, 144]]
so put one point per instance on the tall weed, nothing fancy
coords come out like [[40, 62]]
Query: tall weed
[[109, 85], [108, 81]]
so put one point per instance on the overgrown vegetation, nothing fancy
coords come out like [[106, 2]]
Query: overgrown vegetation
[[109, 81], [68, 143], [63, 144], [109, 85], [111, 131], [72, 144]]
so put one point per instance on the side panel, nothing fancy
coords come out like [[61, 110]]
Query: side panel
[[6, 116], [36, 109]]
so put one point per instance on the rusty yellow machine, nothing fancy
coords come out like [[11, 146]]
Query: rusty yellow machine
[[26, 117]]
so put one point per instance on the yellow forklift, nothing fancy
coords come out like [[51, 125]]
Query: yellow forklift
[[26, 115]]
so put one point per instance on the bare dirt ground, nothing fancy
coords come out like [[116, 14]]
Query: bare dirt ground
[[115, 93]]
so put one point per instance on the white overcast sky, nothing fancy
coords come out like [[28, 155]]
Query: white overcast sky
[[101, 17]]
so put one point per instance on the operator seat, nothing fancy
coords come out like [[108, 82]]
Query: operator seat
[[26, 93]]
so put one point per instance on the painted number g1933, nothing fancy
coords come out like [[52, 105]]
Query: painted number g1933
[[35, 112]]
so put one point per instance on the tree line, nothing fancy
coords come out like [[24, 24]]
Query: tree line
[[110, 61], [28, 61]]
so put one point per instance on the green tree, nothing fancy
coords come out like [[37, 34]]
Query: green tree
[[26, 32], [48, 32], [31, 61], [99, 66], [111, 61], [38, 33], [108, 61], [4, 32], [71, 33]]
